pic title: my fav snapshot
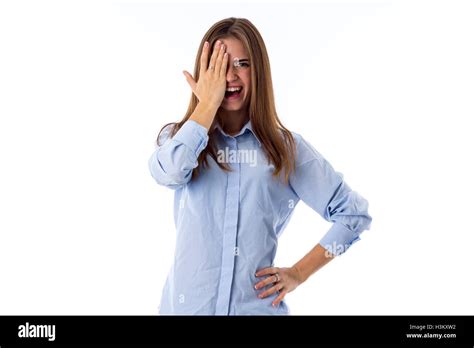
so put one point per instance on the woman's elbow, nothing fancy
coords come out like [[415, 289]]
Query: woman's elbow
[[171, 176], [352, 210]]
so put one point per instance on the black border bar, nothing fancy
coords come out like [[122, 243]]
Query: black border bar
[[268, 330]]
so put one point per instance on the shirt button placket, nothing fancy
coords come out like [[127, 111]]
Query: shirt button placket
[[229, 237]]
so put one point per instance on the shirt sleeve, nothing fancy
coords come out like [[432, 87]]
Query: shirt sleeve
[[323, 189], [173, 161]]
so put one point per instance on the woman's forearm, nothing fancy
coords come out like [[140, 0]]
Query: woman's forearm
[[312, 261]]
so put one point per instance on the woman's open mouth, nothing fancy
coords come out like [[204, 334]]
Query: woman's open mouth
[[233, 93]]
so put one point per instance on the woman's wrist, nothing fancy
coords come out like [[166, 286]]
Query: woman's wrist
[[204, 114], [311, 262], [299, 274]]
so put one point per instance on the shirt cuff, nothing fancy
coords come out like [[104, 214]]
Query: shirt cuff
[[193, 135], [338, 239]]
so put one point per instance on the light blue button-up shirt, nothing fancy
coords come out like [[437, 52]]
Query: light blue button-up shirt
[[228, 223]]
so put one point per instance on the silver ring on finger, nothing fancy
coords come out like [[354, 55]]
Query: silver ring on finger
[[277, 278], [211, 67]]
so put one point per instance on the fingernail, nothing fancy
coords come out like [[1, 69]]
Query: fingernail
[[218, 42], [255, 287], [206, 44], [222, 47]]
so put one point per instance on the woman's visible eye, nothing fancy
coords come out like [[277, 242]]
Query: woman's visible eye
[[241, 63]]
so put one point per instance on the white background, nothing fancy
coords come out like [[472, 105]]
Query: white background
[[383, 89]]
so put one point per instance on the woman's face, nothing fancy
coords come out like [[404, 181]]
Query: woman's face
[[238, 75]]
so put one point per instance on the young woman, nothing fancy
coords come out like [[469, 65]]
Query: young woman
[[238, 174]]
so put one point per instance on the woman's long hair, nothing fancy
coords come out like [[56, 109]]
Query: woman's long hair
[[277, 141]]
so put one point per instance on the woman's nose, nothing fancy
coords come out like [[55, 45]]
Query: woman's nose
[[231, 75]]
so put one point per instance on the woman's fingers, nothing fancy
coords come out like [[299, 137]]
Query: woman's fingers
[[287, 281], [204, 57], [224, 64], [270, 291], [266, 281], [209, 86], [220, 58], [190, 80], [215, 54], [279, 298], [264, 271]]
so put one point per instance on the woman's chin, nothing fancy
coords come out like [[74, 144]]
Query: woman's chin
[[227, 108], [231, 106]]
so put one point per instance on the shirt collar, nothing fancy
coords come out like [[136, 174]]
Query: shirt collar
[[247, 126]]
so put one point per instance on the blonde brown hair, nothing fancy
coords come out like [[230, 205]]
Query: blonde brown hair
[[277, 141]]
